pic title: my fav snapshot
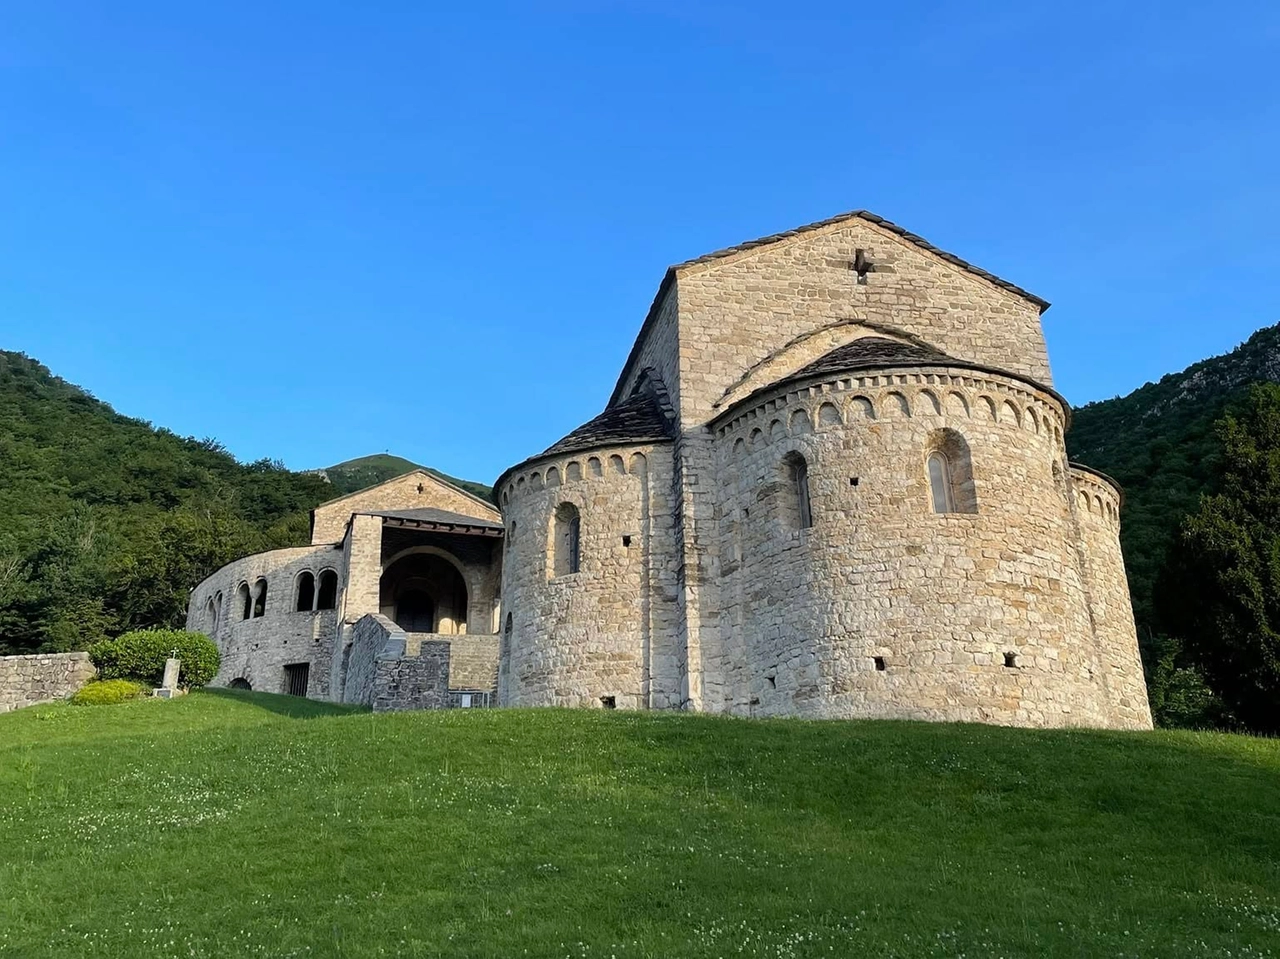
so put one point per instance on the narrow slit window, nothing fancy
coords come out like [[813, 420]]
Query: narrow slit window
[[940, 483], [800, 508], [567, 546]]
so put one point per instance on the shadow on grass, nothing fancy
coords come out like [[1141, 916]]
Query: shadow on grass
[[295, 707]]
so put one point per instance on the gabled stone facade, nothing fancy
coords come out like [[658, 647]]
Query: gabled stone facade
[[849, 497], [394, 604]]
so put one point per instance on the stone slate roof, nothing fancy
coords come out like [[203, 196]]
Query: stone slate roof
[[670, 276], [637, 419], [431, 515], [870, 351], [878, 352]]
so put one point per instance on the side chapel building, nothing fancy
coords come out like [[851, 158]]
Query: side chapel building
[[830, 482]]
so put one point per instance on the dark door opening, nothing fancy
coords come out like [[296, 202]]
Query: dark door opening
[[295, 678], [416, 612]]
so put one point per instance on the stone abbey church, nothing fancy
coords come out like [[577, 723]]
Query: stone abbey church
[[830, 482]]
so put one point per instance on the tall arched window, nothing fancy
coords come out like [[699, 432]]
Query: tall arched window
[[799, 508], [328, 595], [949, 471], [211, 614], [940, 483], [567, 546], [244, 602], [260, 598], [306, 598]]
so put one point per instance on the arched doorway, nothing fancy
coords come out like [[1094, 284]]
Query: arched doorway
[[240, 683], [424, 593]]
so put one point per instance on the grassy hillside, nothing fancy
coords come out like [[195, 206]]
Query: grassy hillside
[[231, 825], [367, 471], [1158, 442]]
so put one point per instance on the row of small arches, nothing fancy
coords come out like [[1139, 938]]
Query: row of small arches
[[895, 403], [575, 471], [1096, 504], [310, 594], [927, 402]]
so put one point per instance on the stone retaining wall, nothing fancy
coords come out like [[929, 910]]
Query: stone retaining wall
[[43, 678]]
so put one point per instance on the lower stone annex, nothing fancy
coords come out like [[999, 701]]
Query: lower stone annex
[[830, 482]]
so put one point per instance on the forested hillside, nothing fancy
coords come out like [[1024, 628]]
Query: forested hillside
[[1158, 442], [106, 521]]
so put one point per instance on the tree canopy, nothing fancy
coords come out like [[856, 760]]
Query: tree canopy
[[1220, 592], [109, 521]]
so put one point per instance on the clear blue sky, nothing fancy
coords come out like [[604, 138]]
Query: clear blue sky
[[316, 230]]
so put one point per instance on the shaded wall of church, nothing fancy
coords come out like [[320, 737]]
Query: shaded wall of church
[[1096, 505]]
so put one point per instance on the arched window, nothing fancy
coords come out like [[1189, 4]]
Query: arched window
[[243, 601], [260, 598], [799, 509], [211, 615], [940, 483], [328, 595], [949, 472], [306, 599], [506, 635], [567, 545]]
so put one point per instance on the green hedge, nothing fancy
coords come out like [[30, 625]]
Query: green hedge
[[140, 656], [107, 692]]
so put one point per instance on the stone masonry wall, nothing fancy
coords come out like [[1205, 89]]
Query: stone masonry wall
[[41, 678], [473, 659], [884, 608], [419, 680], [369, 637], [1097, 509], [739, 311], [611, 629], [331, 518], [258, 649], [659, 350]]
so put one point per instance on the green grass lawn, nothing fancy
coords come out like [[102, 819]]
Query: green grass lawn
[[250, 825]]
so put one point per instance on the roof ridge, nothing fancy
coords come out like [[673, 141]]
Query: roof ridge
[[877, 220], [391, 479], [873, 218]]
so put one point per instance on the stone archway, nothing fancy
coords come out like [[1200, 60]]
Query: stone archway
[[424, 593]]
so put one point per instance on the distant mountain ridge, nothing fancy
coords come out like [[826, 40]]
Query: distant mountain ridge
[[1158, 443], [365, 471]]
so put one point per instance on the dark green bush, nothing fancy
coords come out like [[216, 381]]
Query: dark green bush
[[108, 692], [141, 655]]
